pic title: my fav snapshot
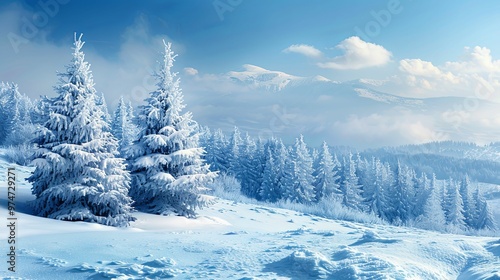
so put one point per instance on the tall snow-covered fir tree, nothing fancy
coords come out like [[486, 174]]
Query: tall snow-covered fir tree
[[483, 217], [216, 152], [251, 168], [325, 175], [123, 127], [298, 178], [168, 172], [351, 189], [454, 206], [470, 207], [433, 216], [15, 112], [101, 103], [233, 153], [78, 176]]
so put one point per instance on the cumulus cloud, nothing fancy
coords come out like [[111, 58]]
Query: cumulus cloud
[[357, 54], [475, 60], [190, 71], [476, 74], [306, 50]]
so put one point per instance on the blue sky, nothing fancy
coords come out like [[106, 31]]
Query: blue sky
[[255, 32], [413, 48]]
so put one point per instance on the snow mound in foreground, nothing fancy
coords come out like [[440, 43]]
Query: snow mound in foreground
[[304, 264], [156, 269]]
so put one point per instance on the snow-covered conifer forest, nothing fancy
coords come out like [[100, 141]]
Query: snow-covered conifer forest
[[231, 204]]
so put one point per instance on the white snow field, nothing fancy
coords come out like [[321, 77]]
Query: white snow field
[[236, 241]]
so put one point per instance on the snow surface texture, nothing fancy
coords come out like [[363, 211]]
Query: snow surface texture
[[239, 241]]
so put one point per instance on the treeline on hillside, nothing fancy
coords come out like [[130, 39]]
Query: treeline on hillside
[[269, 170]]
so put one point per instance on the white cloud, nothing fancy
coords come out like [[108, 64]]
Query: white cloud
[[419, 67], [475, 60], [476, 74], [358, 54], [306, 50], [385, 128], [190, 71]]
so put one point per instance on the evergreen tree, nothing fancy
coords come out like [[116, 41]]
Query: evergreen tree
[[470, 207], [273, 185], [422, 192], [298, 177], [101, 103], [270, 190], [325, 175], [216, 152], [433, 216], [454, 207], [484, 217], [377, 200], [122, 126], [233, 154], [404, 192], [168, 173], [249, 168], [78, 176], [388, 212], [15, 112], [351, 189]]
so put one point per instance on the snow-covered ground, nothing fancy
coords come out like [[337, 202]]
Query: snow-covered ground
[[237, 241]]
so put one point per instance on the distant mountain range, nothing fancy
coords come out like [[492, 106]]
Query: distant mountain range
[[344, 113]]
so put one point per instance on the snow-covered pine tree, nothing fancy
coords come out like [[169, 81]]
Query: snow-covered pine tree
[[269, 190], [216, 152], [351, 189], [325, 175], [377, 199], [404, 192], [484, 217], [205, 134], [122, 126], [454, 206], [78, 176], [274, 171], [233, 154], [101, 103], [168, 173], [250, 168], [298, 179], [422, 192], [433, 216], [15, 113], [470, 207]]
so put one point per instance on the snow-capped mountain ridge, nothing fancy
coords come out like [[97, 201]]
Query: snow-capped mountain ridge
[[277, 81]]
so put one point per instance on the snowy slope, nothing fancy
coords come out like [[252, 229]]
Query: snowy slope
[[239, 241]]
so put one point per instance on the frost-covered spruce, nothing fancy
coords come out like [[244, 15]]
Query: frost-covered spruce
[[123, 127], [168, 173], [15, 108], [298, 176], [78, 176], [350, 187], [325, 175]]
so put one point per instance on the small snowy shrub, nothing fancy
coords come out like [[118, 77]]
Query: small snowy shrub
[[331, 208], [227, 187], [19, 154]]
